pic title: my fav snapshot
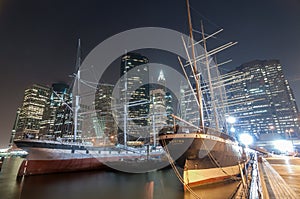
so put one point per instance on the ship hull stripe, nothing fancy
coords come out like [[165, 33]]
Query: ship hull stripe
[[195, 136]]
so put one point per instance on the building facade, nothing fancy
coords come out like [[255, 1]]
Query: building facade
[[106, 127], [267, 106], [36, 101], [61, 110], [134, 71], [158, 108]]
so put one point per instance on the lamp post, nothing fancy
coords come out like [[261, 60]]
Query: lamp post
[[272, 129]]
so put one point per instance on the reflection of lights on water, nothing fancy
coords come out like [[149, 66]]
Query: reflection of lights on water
[[283, 145], [246, 139], [288, 165], [287, 160]]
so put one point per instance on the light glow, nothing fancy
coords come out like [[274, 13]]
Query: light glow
[[246, 139], [232, 129], [231, 120], [283, 146], [4, 150]]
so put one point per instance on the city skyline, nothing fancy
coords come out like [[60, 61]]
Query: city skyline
[[269, 104], [39, 39], [254, 81]]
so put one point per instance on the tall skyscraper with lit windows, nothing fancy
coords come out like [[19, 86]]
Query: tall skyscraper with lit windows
[[57, 118], [106, 125], [60, 115], [133, 78], [269, 106], [158, 113], [36, 101], [134, 93]]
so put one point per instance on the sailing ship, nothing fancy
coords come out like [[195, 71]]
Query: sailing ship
[[58, 156], [205, 151]]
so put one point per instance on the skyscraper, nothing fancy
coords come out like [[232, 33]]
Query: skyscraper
[[269, 105], [61, 112], [52, 117], [106, 125], [35, 102], [168, 98], [136, 99], [158, 113]]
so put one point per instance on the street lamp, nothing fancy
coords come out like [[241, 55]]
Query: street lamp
[[291, 131], [232, 129], [246, 139], [231, 120], [272, 129]]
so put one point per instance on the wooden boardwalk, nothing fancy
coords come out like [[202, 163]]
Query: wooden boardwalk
[[273, 185]]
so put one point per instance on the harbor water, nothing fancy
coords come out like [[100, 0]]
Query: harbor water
[[103, 184]]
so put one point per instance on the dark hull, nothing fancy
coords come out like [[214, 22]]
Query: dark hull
[[43, 159], [36, 167], [205, 158]]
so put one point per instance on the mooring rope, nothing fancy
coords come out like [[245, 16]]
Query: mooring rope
[[216, 162], [177, 172]]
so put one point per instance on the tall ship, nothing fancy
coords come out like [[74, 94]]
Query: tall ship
[[66, 153], [88, 151], [199, 142]]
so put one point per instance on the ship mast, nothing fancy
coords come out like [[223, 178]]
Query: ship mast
[[211, 89], [125, 104], [194, 68], [77, 97]]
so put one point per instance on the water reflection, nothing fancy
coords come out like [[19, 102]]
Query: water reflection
[[102, 184], [215, 191], [9, 187]]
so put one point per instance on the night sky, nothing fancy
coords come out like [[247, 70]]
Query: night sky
[[38, 38]]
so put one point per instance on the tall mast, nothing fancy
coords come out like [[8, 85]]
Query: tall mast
[[212, 95], [194, 67], [77, 97], [125, 103]]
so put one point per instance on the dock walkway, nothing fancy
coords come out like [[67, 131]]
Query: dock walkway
[[273, 184]]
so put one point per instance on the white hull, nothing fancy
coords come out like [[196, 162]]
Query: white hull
[[197, 177]]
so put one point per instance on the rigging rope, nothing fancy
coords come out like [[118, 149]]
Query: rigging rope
[[177, 172], [216, 162]]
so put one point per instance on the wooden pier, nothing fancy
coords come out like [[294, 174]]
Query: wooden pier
[[273, 184], [262, 181]]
